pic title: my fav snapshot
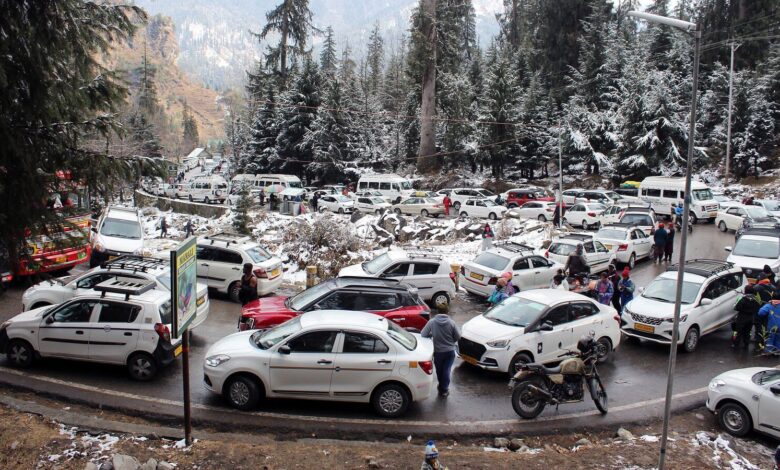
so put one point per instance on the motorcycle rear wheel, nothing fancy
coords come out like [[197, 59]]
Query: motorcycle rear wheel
[[526, 401], [598, 393]]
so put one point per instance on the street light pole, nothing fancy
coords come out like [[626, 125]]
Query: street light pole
[[734, 47], [560, 178], [696, 32]]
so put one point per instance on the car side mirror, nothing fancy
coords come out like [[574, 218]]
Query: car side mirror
[[546, 326], [705, 301], [284, 349], [728, 248], [50, 319], [383, 275], [775, 389]]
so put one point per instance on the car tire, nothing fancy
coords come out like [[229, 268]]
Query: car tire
[[390, 400], [492, 216], [440, 298], [20, 353], [604, 349], [541, 218], [722, 226], [206, 200], [585, 225], [423, 213], [694, 219], [243, 393], [456, 205], [39, 305], [691, 341], [564, 221], [463, 215], [341, 210], [735, 419], [234, 290], [397, 211], [631, 261], [520, 358], [142, 367]]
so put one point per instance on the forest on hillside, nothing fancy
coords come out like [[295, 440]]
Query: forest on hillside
[[608, 91]]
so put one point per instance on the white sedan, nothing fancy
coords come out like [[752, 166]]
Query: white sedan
[[573, 196], [584, 215], [732, 217], [628, 243], [335, 203], [611, 215], [747, 399], [330, 355], [540, 210], [374, 204], [482, 208]]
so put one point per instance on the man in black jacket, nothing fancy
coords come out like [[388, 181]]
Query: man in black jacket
[[577, 263], [747, 311]]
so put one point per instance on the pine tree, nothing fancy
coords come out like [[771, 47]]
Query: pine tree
[[375, 59], [263, 134], [759, 139], [499, 108], [190, 137], [241, 217], [457, 132], [292, 21], [328, 60], [660, 35]]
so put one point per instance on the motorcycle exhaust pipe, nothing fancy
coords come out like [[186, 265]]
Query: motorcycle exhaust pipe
[[544, 393]]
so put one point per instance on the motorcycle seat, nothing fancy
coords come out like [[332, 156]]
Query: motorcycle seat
[[543, 368]]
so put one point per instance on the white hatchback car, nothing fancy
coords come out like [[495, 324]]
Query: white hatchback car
[[371, 204], [584, 214], [537, 326], [335, 203], [597, 255], [129, 325], [539, 210], [709, 293], [330, 355], [746, 399], [627, 242], [430, 273], [482, 208]]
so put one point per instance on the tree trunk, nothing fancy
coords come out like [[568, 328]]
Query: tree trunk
[[283, 53], [426, 163]]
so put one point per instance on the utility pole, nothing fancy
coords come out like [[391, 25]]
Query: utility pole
[[734, 47], [560, 178]]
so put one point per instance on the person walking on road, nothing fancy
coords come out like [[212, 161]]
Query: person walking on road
[[314, 201], [669, 247], [659, 239], [747, 309], [614, 277], [445, 335], [604, 289], [499, 292], [262, 198], [163, 228], [626, 288], [447, 203], [772, 313], [248, 290], [487, 237], [188, 232]]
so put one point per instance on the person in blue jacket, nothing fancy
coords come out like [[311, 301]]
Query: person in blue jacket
[[626, 288], [772, 312]]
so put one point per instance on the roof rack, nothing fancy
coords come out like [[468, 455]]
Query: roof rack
[[228, 238], [423, 253], [761, 231], [514, 247], [579, 236], [135, 263], [125, 285], [703, 267]]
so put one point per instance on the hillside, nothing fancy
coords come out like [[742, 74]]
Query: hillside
[[174, 87]]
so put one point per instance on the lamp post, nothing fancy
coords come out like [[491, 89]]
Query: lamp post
[[692, 28]]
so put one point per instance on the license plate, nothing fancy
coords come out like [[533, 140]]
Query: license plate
[[60, 259], [713, 214], [469, 359], [111, 257], [177, 351], [276, 272], [200, 300], [477, 276], [644, 328]]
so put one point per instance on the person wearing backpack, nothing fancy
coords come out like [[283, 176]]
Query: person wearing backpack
[[747, 309]]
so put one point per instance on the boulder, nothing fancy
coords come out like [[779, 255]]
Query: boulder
[[150, 464], [125, 462], [583, 442], [501, 442], [165, 466], [516, 443], [624, 434], [356, 215]]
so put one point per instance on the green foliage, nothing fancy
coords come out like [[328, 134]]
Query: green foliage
[[241, 217], [190, 137]]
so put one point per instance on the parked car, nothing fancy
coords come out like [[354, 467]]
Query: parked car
[[746, 399], [642, 217], [162, 189], [482, 208], [606, 197], [755, 249], [519, 197], [537, 326], [428, 272], [627, 242], [118, 232], [370, 193], [208, 189], [529, 270], [611, 215], [335, 203], [57, 290], [598, 256], [459, 196], [385, 297], [324, 355], [734, 217], [540, 210], [724, 201], [771, 205], [221, 259], [573, 196], [663, 191], [124, 322], [421, 206], [373, 204], [394, 188], [710, 290], [584, 214]]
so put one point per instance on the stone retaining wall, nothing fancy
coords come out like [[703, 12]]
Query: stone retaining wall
[[211, 211]]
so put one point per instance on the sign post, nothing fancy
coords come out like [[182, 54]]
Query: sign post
[[184, 293]]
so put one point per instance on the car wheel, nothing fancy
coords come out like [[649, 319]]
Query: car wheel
[[722, 226], [20, 353], [603, 349], [206, 200], [463, 215], [585, 225], [423, 213], [492, 216], [542, 218], [341, 210], [397, 211], [440, 298], [691, 341], [320, 209], [517, 361], [390, 400], [694, 219], [598, 225], [190, 197], [631, 261], [735, 419], [39, 305], [234, 290], [565, 222], [243, 393], [142, 367], [456, 205]]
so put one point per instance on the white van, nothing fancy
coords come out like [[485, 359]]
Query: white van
[[663, 191], [256, 183], [208, 189], [392, 186]]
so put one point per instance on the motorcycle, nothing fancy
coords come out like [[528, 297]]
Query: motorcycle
[[536, 386]]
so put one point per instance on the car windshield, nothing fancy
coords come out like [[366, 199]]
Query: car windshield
[[515, 311], [377, 200], [121, 228], [702, 194], [772, 205], [492, 261], [664, 288], [636, 219], [405, 185], [562, 249], [611, 234], [294, 184], [613, 195], [401, 336], [165, 279], [756, 212], [721, 198], [342, 198], [486, 192], [766, 376], [268, 338], [377, 264], [258, 254], [757, 248], [302, 299]]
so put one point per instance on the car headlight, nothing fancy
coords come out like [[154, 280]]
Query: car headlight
[[715, 384], [214, 361], [500, 343], [683, 318], [98, 247]]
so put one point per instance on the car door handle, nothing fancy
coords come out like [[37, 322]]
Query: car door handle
[[236, 269], [324, 361], [205, 264], [128, 333], [384, 361], [79, 332], [537, 272]]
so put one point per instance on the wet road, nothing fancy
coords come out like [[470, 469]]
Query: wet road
[[636, 372]]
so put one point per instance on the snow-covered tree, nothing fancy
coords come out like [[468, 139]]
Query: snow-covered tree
[[499, 109]]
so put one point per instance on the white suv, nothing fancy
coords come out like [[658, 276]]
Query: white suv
[[428, 272], [55, 290], [118, 232], [710, 289], [221, 259], [529, 270], [129, 324], [332, 355], [459, 196], [755, 249], [537, 326]]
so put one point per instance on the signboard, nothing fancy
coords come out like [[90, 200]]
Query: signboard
[[184, 285]]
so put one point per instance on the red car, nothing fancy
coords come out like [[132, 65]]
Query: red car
[[386, 297], [518, 197]]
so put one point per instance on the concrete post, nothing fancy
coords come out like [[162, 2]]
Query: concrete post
[[311, 276]]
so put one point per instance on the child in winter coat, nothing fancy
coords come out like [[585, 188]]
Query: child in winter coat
[[604, 289], [772, 312], [747, 308], [499, 294]]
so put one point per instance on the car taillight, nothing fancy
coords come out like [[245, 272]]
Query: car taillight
[[454, 277], [622, 247], [261, 273], [426, 366], [546, 254], [8, 278], [492, 281], [592, 214], [435, 205], [162, 331]]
